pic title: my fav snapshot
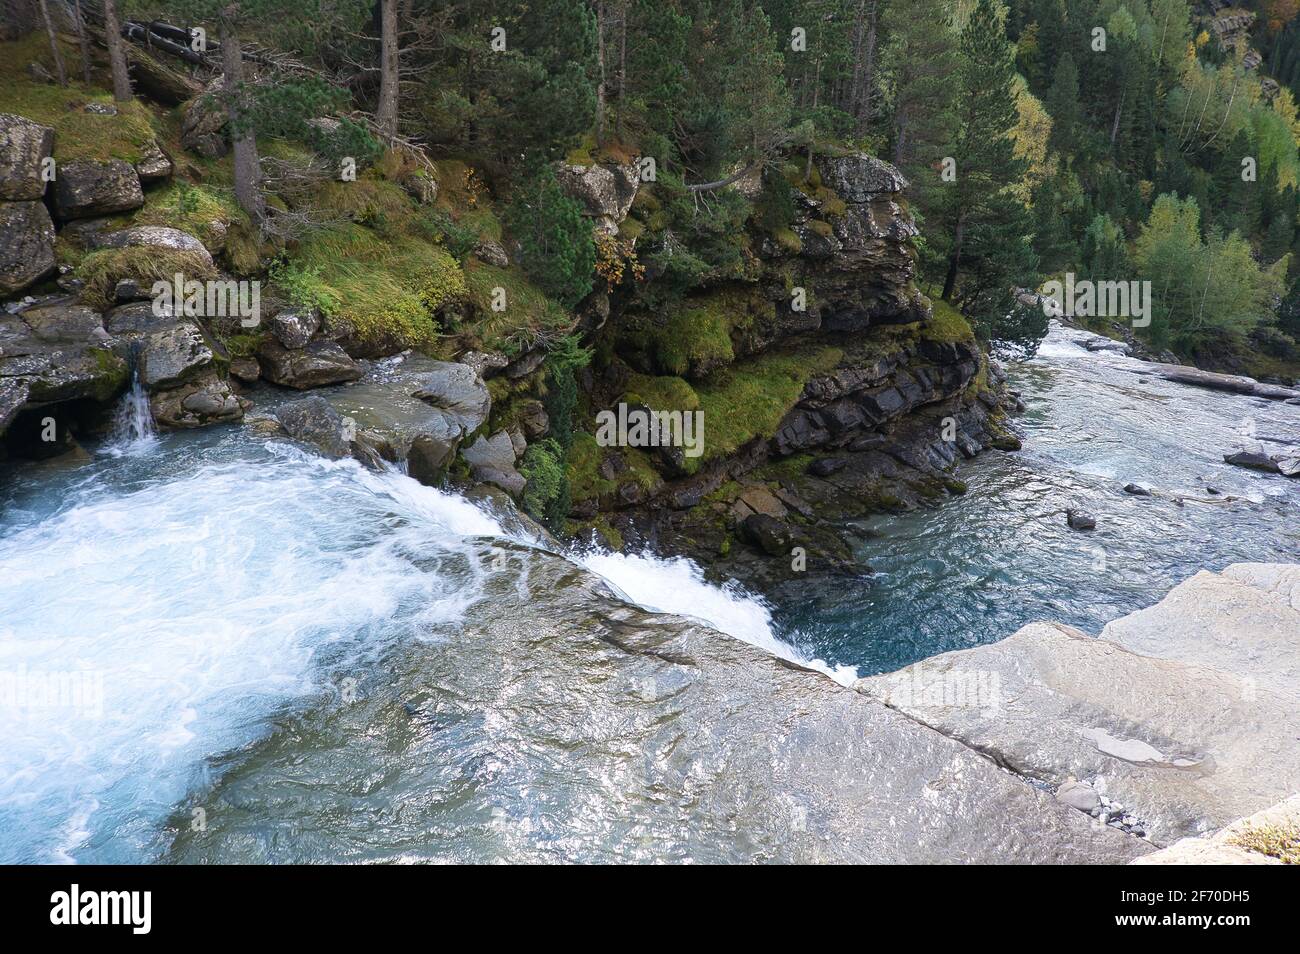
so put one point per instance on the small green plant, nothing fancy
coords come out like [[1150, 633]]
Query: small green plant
[[303, 286], [440, 227]]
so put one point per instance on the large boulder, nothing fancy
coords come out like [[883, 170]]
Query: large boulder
[[457, 391], [26, 245], [154, 236], [203, 125], [606, 192], [492, 461], [294, 327], [859, 177], [198, 401], [84, 188], [1181, 717], [170, 356], [24, 147], [318, 364], [315, 421]]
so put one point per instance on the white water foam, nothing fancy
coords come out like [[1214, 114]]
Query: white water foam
[[677, 585]]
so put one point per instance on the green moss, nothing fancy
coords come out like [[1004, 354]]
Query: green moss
[[947, 324], [694, 339], [664, 393], [190, 208], [77, 133], [788, 240], [583, 469], [103, 269], [750, 398], [821, 228]]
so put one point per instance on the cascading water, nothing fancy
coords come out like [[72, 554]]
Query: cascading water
[[181, 631], [133, 431]]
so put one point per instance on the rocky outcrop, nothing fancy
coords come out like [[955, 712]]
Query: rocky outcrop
[[457, 391], [294, 327], [605, 191], [26, 245], [492, 461], [85, 188], [772, 762], [318, 364], [203, 124], [1181, 717], [24, 147]]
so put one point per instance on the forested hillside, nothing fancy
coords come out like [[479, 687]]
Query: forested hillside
[[676, 204]]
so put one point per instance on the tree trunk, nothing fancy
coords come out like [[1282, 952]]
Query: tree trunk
[[54, 44], [868, 71], [389, 71], [600, 60], [954, 261], [116, 53], [82, 41], [1119, 109], [248, 173], [622, 68]]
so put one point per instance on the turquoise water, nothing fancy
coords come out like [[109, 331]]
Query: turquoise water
[[982, 565], [215, 597]]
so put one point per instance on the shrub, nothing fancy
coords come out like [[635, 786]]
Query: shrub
[[554, 237]]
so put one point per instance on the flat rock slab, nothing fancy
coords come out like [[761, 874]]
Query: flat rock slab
[[1245, 620], [1201, 731], [565, 725]]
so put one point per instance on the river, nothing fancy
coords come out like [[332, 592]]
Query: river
[[279, 657]]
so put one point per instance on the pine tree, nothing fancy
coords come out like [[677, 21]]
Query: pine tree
[[986, 162]]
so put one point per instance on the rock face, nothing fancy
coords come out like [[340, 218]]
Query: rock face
[[1264, 838], [1181, 717], [84, 188], [492, 461], [606, 191], [459, 393], [318, 364], [52, 352], [26, 245], [24, 147], [781, 764]]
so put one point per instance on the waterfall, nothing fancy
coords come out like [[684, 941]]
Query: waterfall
[[133, 430]]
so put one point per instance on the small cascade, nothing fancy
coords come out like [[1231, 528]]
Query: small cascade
[[134, 431]]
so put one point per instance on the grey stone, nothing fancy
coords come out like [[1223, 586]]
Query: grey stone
[[459, 392], [203, 124], [318, 364], [26, 245], [860, 177], [197, 402], [1182, 715], [246, 370], [1080, 519], [1136, 490], [154, 164], [492, 253], [315, 421], [156, 236], [1254, 460], [431, 452], [1079, 795], [84, 188], [170, 356], [24, 147], [492, 461], [294, 327], [605, 191]]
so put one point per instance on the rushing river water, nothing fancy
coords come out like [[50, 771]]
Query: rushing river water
[[205, 603]]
